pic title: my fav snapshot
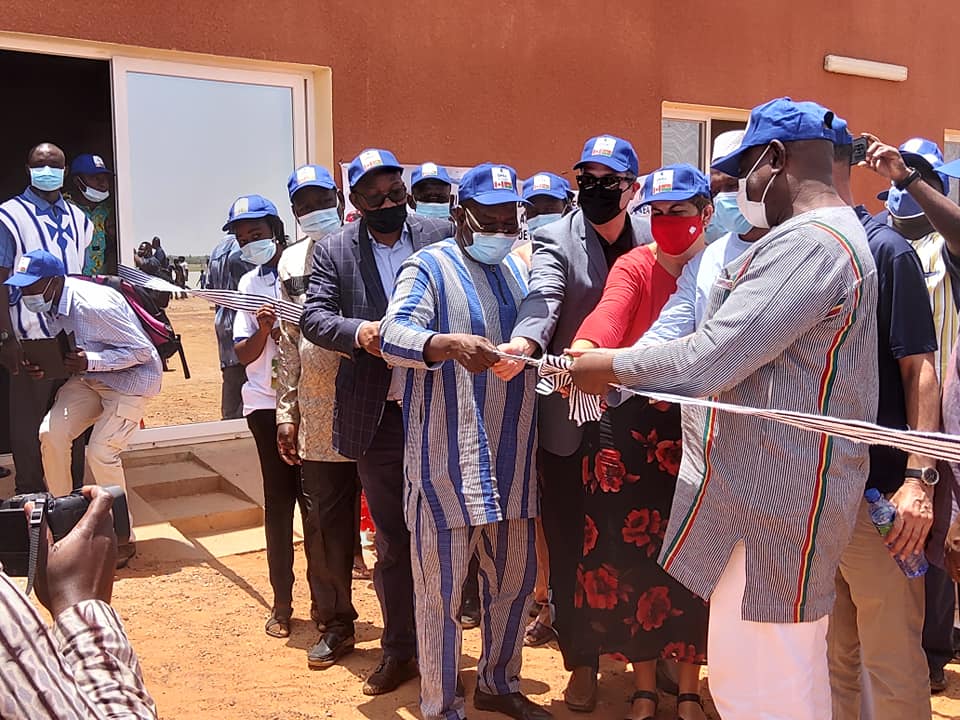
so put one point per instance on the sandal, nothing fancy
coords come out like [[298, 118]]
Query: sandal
[[646, 695], [278, 624], [538, 633], [360, 570], [688, 697]]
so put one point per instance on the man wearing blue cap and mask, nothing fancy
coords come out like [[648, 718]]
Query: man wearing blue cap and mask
[[92, 180], [571, 259], [431, 189], [354, 271], [305, 393], [470, 444], [39, 218], [919, 209], [791, 324]]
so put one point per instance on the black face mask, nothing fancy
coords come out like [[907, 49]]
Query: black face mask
[[387, 220], [599, 205]]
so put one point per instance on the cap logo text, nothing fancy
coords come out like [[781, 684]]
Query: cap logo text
[[501, 178], [306, 174], [241, 206], [604, 146], [541, 182], [662, 181], [429, 169], [370, 159]]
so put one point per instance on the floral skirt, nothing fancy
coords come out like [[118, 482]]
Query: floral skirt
[[630, 460]]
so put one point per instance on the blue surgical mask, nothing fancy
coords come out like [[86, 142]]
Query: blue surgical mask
[[541, 220], [727, 215], [491, 248], [46, 178], [38, 303], [259, 252], [434, 210], [320, 223], [713, 232], [901, 204]]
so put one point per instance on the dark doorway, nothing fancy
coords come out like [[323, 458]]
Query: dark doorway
[[49, 98]]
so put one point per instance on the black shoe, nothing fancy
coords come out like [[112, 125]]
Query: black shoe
[[516, 705], [125, 553], [470, 613], [390, 674], [938, 683], [331, 647]]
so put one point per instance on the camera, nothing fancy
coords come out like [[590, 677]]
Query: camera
[[61, 513]]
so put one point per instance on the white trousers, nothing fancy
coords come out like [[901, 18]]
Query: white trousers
[[764, 671]]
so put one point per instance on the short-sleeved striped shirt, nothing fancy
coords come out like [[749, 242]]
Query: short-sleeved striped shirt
[[470, 439]]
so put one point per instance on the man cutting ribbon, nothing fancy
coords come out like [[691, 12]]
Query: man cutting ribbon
[[792, 325]]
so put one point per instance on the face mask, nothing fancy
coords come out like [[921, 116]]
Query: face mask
[[727, 215], [94, 195], [320, 223], [46, 178], [600, 206], [38, 303], [386, 221], [754, 211], [541, 220], [491, 248], [675, 234], [259, 252], [434, 210], [902, 206], [713, 232]]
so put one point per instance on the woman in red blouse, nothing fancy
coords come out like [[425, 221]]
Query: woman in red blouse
[[630, 460]]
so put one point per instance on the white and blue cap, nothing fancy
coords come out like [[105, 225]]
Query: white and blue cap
[[489, 184], [674, 183], [369, 160], [430, 171], [250, 207], [921, 154], [33, 266], [616, 153], [89, 164], [310, 176], [545, 184], [784, 120]]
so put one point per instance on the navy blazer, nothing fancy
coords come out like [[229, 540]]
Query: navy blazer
[[344, 292], [567, 277]]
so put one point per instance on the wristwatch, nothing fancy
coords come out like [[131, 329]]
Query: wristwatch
[[928, 475], [908, 180]]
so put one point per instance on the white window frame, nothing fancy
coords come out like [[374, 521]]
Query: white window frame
[[306, 82], [705, 114]]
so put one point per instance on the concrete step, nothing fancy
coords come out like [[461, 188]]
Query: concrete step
[[207, 512], [157, 456], [175, 480]]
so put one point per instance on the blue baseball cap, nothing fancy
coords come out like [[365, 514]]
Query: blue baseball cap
[[925, 155], [310, 176], [489, 184], [841, 132], [951, 168], [88, 164], [616, 153], [430, 171], [547, 184], [784, 120], [369, 160], [674, 182], [33, 266], [250, 207]]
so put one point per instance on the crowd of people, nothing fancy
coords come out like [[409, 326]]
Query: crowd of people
[[662, 532]]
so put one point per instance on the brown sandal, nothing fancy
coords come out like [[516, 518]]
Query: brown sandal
[[278, 624]]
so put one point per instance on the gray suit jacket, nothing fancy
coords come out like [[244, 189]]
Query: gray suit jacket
[[344, 292], [567, 277]]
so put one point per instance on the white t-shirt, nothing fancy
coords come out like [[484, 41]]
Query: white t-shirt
[[258, 392]]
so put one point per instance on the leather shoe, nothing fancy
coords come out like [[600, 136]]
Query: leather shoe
[[470, 614], [580, 694], [331, 647], [390, 674], [516, 705]]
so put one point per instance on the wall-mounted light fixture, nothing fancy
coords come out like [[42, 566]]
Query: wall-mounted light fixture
[[864, 68]]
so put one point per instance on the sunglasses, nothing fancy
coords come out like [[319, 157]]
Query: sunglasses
[[397, 195], [606, 182]]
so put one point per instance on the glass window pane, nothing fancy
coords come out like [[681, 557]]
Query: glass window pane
[[951, 151], [681, 142]]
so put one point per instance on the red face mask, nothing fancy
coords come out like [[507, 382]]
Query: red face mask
[[675, 234]]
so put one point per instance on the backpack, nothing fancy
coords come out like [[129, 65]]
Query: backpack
[[154, 321]]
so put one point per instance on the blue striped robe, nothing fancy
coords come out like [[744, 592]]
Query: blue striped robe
[[470, 439]]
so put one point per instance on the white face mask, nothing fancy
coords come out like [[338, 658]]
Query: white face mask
[[94, 195], [320, 223], [755, 211], [38, 303]]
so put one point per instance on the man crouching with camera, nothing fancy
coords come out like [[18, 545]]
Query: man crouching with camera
[[112, 371], [84, 667]]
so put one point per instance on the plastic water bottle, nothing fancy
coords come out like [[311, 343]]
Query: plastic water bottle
[[882, 513]]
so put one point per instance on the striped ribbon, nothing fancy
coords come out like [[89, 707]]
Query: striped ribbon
[[555, 376], [245, 302]]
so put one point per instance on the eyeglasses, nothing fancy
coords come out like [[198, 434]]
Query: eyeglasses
[[397, 195], [606, 182], [475, 225]]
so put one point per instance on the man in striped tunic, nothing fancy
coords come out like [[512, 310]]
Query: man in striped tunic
[[792, 325], [470, 437]]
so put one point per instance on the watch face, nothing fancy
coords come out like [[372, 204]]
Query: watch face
[[930, 476]]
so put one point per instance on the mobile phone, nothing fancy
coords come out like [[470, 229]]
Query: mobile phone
[[859, 151]]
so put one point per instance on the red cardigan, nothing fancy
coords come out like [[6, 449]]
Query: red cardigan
[[637, 289]]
